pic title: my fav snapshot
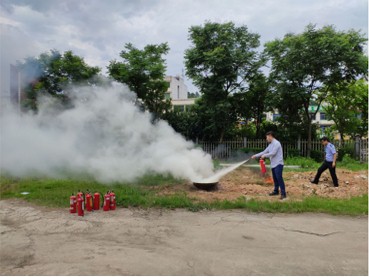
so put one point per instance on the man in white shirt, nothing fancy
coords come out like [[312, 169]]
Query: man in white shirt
[[275, 153]]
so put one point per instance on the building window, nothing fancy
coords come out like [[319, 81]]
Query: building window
[[179, 108], [322, 116]]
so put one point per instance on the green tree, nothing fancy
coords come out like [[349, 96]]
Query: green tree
[[220, 62], [183, 122], [305, 66], [143, 71], [193, 95], [347, 106], [53, 73], [252, 103]]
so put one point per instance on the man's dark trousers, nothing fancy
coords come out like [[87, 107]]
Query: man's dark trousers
[[278, 179], [332, 170]]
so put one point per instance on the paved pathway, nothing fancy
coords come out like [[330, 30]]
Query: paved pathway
[[40, 241]]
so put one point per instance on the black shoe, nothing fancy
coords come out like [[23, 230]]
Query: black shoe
[[283, 196], [336, 186], [313, 182], [274, 193]]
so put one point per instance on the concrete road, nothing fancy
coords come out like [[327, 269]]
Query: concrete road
[[40, 241]]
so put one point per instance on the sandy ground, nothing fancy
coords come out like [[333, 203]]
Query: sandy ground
[[247, 182], [40, 241]]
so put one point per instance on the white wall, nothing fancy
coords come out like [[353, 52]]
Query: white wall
[[177, 87]]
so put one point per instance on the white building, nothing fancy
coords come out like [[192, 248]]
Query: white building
[[183, 104], [178, 93], [177, 88]]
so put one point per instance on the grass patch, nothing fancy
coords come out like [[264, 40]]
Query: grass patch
[[309, 164], [55, 193], [351, 164], [302, 162]]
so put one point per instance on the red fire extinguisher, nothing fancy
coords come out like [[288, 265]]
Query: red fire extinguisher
[[80, 194], [113, 203], [80, 206], [88, 201], [262, 166], [106, 206], [96, 201], [73, 204]]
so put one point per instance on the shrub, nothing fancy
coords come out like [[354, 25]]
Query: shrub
[[316, 155], [345, 151], [352, 164], [293, 153], [251, 150], [301, 161]]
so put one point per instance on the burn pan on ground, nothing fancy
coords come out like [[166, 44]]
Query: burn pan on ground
[[206, 186]]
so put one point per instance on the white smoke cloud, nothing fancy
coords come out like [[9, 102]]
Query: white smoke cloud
[[105, 136]]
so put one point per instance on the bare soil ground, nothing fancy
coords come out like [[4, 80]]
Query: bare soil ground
[[247, 182], [41, 241]]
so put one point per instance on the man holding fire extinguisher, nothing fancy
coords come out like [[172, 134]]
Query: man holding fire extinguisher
[[275, 153]]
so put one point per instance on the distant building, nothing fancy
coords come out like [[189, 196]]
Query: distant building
[[183, 105], [178, 93], [177, 88], [320, 118], [10, 90]]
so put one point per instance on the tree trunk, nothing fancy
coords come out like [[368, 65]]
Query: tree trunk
[[221, 136], [257, 135], [342, 140], [309, 121], [309, 137], [258, 123]]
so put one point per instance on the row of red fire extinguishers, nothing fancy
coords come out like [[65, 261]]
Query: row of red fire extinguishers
[[91, 202]]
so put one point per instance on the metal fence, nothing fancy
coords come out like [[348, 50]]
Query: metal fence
[[227, 149], [361, 149]]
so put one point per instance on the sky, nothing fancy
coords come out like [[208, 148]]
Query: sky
[[98, 29]]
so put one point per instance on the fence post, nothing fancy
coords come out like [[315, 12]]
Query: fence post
[[244, 142], [357, 147]]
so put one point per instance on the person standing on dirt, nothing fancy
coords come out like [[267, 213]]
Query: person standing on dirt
[[275, 153], [329, 162]]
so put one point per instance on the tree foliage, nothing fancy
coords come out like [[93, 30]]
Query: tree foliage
[[220, 62], [347, 106], [53, 73], [305, 66], [143, 71], [252, 103]]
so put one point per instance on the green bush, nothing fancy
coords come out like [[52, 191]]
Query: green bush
[[345, 151], [316, 155], [293, 153], [302, 162], [352, 164], [251, 150]]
